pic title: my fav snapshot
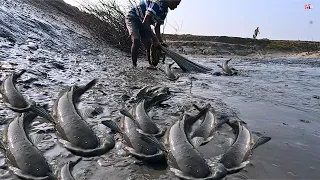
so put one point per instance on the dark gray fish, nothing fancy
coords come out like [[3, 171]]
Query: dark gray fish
[[112, 125], [74, 132], [170, 75], [135, 143], [144, 122], [184, 159], [23, 157], [15, 101], [226, 68], [66, 170], [205, 132], [237, 156]]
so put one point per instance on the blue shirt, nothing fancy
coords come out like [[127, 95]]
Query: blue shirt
[[157, 9]]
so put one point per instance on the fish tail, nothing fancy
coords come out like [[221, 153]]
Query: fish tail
[[19, 74], [82, 89], [153, 141], [112, 125], [260, 141], [42, 112], [126, 113]]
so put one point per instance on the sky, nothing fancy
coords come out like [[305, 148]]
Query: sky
[[276, 19]]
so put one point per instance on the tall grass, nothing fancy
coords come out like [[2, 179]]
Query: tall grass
[[109, 21], [104, 18]]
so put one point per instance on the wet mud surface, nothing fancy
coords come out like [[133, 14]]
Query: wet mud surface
[[275, 97]]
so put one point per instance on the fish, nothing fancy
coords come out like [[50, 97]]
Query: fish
[[66, 170], [170, 75], [144, 122], [136, 143], [152, 95], [185, 161], [24, 158], [226, 68], [15, 101], [238, 155], [205, 132], [73, 131]]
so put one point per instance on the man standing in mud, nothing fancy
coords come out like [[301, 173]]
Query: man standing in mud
[[139, 20]]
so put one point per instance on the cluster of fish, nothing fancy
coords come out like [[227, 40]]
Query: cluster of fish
[[184, 64], [181, 143], [22, 155], [141, 135]]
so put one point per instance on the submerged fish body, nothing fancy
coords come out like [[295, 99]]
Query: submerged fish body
[[237, 156], [184, 159], [10, 93], [15, 101], [226, 68], [26, 161], [170, 75], [144, 122], [75, 132], [66, 170], [206, 130], [135, 143]]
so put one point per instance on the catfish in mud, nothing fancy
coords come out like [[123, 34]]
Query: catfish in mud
[[15, 101], [226, 68], [205, 132], [75, 133], [24, 158], [184, 159], [237, 156], [135, 140], [144, 122]]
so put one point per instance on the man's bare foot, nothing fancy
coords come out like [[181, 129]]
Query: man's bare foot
[[152, 67]]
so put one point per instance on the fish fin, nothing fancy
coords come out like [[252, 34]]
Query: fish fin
[[223, 121], [73, 163], [242, 123], [152, 140], [23, 175], [18, 75], [161, 70], [197, 107], [91, 112], [2, 147], [261, 141], [37, 138], [238, 168], [42, 112], [142, 133], [112, 125], [197, 141], [202, 108], [170, 65], [126, 113], [79, 90]]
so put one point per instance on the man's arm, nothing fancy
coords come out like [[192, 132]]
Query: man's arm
[[146, 24]]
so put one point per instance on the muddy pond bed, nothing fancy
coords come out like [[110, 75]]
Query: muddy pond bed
[[276, 97]]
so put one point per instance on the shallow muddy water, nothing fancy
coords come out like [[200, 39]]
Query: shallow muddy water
[[275, 97]]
